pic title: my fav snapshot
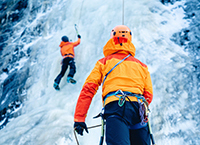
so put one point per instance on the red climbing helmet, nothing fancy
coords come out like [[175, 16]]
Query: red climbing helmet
[[121, 31]]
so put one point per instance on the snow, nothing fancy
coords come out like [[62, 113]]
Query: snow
[[3, 76]]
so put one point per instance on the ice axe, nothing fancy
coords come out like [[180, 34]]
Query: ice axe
[[151, 134], [75, 26]]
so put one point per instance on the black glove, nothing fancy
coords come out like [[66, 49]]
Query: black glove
[[79, 36], [79, 127]]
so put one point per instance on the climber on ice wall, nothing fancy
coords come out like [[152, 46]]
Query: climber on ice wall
[[67, 52], [126, 92]]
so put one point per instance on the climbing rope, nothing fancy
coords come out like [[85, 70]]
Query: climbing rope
[[76, 25], [122, 12], [80, 12]]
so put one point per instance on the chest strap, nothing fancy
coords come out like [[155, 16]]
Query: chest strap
[[114, 67]]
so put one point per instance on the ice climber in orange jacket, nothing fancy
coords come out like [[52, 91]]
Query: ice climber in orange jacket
[[67, 52], [125, 87]]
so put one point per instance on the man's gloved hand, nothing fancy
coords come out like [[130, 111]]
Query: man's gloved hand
[[79, 36], [79, 127]]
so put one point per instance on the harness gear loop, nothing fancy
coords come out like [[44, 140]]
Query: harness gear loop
[[142, 112]]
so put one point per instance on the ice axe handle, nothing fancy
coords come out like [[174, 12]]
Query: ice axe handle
[[152, 139], [151, 135], [76, 29], [101, 140]]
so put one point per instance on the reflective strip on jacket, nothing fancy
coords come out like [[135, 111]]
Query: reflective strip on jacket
[[131, 75], [67, 48]]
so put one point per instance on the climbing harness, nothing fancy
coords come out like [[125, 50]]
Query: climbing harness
[[122, 95], [68, 55], [143, 110]]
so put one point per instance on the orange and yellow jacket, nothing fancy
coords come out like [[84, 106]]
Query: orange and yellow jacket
[[67, 48], [131, 75]]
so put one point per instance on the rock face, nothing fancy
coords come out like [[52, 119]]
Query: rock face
[[12, 88], [17, 31]]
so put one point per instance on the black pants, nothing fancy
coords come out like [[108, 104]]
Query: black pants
[[66, 61], [117, 128]]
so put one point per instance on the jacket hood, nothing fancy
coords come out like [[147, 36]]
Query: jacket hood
[[62, 43], [117, 44]]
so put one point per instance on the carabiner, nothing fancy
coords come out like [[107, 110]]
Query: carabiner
[[121, 100]]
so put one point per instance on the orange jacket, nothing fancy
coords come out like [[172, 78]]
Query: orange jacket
[[130, 75], [67, 48]]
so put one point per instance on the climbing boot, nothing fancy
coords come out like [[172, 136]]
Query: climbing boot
[[56, 86], [71, 80]]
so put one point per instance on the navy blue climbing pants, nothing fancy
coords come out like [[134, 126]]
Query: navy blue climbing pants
[[117, 128], [68, 61]]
